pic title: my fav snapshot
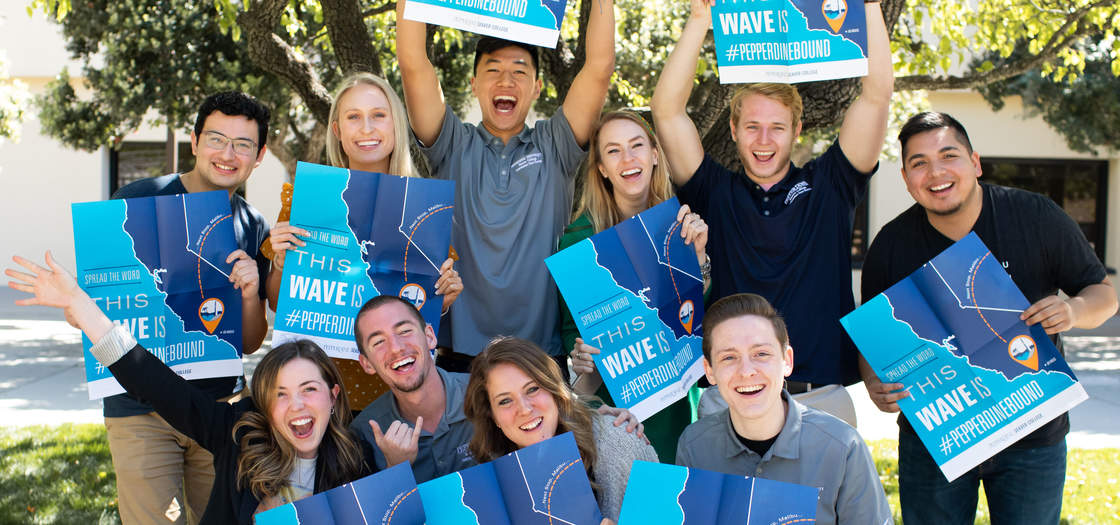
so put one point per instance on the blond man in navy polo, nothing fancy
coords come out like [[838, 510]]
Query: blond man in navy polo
[[776, 229]]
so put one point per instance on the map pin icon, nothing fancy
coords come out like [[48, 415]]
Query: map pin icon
[[210, 312], [686, 316], [1024, 351], [834, 12]]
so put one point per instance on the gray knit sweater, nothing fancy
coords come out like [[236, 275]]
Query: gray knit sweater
[[616, 450]]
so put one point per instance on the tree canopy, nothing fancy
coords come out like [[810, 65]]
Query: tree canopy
[[290, 52], [1085, 109]]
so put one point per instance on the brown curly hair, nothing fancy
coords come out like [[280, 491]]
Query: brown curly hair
[[267, 459], [489, 442]]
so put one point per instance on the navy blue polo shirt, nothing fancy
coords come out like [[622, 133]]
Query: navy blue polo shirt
[[791, 244]]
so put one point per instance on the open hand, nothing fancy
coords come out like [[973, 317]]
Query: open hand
[[50, 286]]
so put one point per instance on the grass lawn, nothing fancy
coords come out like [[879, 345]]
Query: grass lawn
[[64, 474], [57, 474], [1092, 491]]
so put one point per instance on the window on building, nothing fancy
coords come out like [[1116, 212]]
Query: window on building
[[1080, 187], [136, 160]]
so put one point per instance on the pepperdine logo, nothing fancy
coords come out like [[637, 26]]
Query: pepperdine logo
[[797, 189]]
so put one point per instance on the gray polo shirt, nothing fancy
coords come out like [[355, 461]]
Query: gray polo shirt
[[813, 449], [512, 202], [441, 452]]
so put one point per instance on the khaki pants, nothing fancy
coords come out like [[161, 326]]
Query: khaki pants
[[163, 476]]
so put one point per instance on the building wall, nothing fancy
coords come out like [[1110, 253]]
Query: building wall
[[40, 177]]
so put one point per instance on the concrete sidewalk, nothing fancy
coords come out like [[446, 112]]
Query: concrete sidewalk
[[42, 379]]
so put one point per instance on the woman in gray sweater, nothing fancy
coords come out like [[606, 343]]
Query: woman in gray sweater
[[517, 397]]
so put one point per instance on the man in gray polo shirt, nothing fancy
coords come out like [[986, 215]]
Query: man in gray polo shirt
[[514, 183], [395, 343], [765, 432]]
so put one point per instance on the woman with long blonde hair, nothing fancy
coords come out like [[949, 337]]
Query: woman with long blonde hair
[[516, 396], [626, 174], [368, 132], [289, 440]]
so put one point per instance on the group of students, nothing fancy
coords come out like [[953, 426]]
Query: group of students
[[777, 240]]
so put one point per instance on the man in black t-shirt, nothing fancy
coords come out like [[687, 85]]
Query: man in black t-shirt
[[162, 475], [1044, 251]]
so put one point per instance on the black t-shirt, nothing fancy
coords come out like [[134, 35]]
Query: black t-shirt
[[791, 244], [249, 228], [1035, 241], [758, 447]]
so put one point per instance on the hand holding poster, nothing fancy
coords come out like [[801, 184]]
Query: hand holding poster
[[371, 234], [636, 293], [541, 484], [979, 378], [535, 22], [387, 497], [659, 493], [789, 40], [157, 265]]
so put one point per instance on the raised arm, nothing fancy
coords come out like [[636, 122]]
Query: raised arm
[[589, 89], [865, 123], [188, 409], [422, 94], [677, 132]]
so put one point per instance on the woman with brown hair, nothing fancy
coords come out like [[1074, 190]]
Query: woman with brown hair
[[286, 442], [517, 397], [627, 174]]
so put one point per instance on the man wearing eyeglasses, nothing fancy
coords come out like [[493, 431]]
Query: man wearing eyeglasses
[[163, 476]]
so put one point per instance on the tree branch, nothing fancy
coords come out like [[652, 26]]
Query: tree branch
[[272, 54], [1071, 31], [383, 8]]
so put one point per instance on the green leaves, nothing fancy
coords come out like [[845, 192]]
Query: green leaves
[[142, 61]]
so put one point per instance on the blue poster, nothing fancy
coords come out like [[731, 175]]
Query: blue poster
[[535, 22], [541, 484], [371, 234], [659, 493], [979, 378], [789, 41], [157, 265], [387, 497], [636, 293]]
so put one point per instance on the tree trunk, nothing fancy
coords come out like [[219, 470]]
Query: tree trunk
[[272, 54], [349, 37]]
